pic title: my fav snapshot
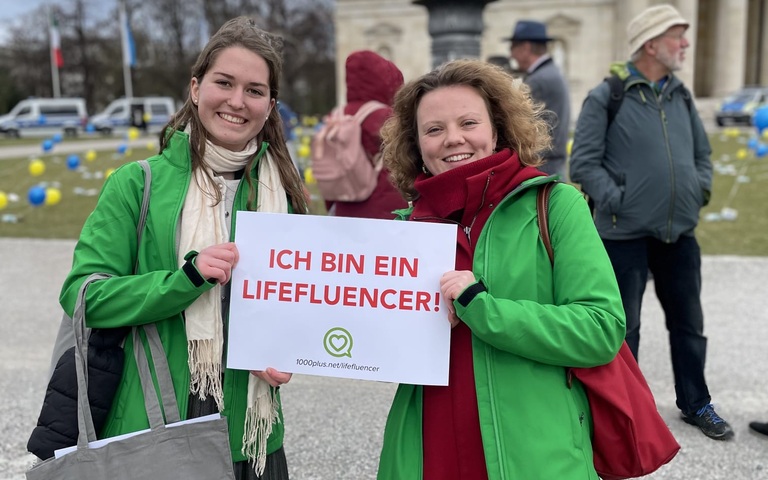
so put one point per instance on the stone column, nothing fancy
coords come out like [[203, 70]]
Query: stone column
[[624, 12], [689, 9], [730, 47], [763, 68], [455, 27]]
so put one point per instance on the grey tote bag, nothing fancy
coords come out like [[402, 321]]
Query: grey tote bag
[[198, 451]]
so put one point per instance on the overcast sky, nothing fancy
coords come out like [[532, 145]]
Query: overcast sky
[[11, 10]]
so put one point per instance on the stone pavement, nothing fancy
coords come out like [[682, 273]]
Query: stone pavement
[[334, 426]]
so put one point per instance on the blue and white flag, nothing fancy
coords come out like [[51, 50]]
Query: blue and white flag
[[129, 48]]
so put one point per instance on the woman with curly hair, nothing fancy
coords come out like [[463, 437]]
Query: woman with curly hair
[[463, 145]]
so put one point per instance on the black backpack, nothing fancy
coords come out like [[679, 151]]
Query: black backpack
[[616, 86]]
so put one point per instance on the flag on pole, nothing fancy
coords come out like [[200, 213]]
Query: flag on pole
[[129, 48], [58, 59]]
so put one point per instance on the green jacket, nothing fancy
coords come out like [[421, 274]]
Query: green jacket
[[529, 325], [159, 292]]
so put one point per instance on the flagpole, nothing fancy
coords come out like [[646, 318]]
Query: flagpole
[[54, 64], [124, 39], [55, 76]]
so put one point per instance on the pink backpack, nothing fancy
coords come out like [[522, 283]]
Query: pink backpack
[[339, 162]]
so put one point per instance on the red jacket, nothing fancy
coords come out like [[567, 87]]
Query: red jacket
[[372, 77]]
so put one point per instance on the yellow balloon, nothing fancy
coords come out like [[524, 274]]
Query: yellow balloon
[[303, 150], [36, 168], [742, 153], [133, 133], [732, 132], [147, 117], [569, 147], [129, 152], [90, 155], [765, 134], [52, 196], [3, 200], [305, 140], [109, 172], [150, 145], [309, 179]]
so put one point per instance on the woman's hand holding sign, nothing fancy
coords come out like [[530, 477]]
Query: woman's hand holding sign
[[272, 376], [217, 261], [451, 285]]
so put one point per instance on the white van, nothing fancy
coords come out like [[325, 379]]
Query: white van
[[146, 113], [44, 117]]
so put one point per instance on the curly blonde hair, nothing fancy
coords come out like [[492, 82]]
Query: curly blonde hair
[[517, 120]]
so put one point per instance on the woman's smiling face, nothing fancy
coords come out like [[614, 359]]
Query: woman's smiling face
[[454, 128], [233, 97]]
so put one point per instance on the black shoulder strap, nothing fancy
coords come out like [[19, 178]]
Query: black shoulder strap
[[617, 96], [687, 97]]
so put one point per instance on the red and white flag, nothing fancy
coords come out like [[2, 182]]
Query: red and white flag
[[56, 42]]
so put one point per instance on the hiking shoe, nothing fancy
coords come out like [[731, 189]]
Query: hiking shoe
[[710, 423]]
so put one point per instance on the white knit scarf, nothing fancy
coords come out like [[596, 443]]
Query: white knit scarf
[[203, 225]]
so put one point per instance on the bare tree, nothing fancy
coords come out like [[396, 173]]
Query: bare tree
[[173, 32], [28, 54], [167, 35], [308, 56]]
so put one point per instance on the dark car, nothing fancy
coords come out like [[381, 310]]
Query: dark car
[[738, 108]]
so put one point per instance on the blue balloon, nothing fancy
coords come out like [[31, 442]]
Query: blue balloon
[[41, 120], [752, 143], [760, 118], [761, 150], [47, 145], [36, 195], [122, 148], [73, 161], [56, 137], [90, 128]]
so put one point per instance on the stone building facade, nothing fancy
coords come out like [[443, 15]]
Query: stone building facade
[[729, 38]]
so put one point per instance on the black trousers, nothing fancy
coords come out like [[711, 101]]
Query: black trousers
[[676, 269]]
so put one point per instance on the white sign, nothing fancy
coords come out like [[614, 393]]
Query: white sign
[[341, 297]]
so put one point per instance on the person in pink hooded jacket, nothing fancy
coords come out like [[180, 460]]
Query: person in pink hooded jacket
[[369, 76]]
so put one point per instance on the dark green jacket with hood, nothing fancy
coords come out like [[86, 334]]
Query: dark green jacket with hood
[[649, 171]]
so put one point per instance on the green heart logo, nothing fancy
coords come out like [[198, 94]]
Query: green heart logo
[[338, 342]]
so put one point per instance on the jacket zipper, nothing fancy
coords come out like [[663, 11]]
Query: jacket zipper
[[670, 216], [502, 459]]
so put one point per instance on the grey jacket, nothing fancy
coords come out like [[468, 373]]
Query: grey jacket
[[649, 174], [549, 87]]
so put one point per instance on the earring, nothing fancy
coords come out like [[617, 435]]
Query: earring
[[424, 169], [194, 100]]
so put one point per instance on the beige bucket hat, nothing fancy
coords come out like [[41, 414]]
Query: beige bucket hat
[[651, 23]]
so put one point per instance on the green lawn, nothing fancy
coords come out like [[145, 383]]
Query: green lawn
[[740, 184]]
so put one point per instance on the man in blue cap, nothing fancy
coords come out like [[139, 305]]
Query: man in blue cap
[[529, 49]]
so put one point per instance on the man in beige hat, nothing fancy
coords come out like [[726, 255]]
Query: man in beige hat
[[641, 154]]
